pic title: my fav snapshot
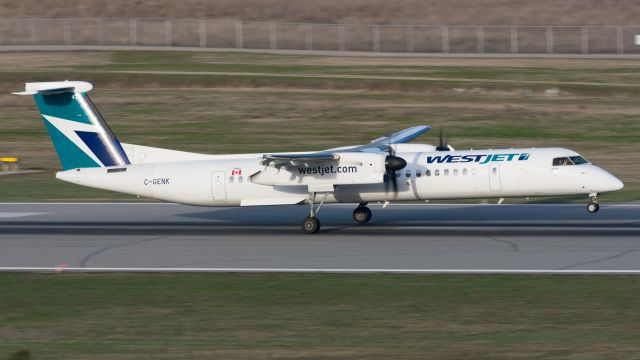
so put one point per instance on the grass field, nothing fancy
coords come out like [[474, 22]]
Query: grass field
[[459, 12], [243, 102], [313, 316]]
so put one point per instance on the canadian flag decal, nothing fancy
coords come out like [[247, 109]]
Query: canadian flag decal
[[236, 171]]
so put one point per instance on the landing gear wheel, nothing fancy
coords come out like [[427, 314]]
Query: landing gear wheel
[[362, 214], [593, 207], [311, 225]]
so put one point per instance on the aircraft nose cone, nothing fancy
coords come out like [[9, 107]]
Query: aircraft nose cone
[[615, 183], [608, 182]]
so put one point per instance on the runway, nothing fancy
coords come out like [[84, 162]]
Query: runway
[[418, 238]]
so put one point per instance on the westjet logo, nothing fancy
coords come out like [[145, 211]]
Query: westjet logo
[[481, 159], [324, 170]]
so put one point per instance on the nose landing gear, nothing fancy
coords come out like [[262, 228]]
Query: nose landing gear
[[362, 214], [593, 205]]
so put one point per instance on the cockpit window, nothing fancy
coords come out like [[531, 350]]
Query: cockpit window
[[572, 160], [579, 160], [562, 161]]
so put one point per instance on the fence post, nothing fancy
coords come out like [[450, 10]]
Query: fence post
[[619, 40], [585, 40], [308, 37], [67, 32], [32, 31], [341, 38], [202, 30], [375, 36], [168, 39], [549, 40], [480, 36], [410, 38], [514, 40], [445, 39], [100, 31], [273, 40], [239, 35], [133, 32]]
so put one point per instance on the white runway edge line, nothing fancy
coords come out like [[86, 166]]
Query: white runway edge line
[[337, 271]]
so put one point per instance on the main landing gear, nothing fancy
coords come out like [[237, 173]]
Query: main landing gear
[[593, 206], [311, 224], [362, 214]]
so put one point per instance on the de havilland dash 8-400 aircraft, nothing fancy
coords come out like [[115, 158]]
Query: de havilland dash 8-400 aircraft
[[384, 170]]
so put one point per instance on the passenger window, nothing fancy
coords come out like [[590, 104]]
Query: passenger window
[[446, 172], [231, 179], [474, 171], [562, 161], [398, 174], [464, 171], [418, 173], [408, 173], [240, 179], [494, 170], [428, 172], [455, 172], [437, 173]]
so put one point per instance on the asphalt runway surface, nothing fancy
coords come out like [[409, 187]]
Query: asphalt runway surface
[[400, 238]]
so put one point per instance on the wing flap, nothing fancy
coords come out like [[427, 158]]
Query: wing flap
[[298, 158]]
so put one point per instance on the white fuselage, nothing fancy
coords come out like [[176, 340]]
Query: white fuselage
[[235, 180]]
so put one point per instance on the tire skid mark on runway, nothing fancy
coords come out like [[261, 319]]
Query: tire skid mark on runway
[[514, 247], [83, 262], [615, 256]]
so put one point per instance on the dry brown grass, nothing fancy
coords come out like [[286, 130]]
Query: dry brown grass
[[452, 12]]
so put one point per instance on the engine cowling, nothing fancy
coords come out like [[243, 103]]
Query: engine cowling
[[407, 148]]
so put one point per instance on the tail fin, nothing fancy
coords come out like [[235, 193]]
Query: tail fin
[[79, 134]]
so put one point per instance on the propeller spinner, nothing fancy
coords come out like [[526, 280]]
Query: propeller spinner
[[393, 163]]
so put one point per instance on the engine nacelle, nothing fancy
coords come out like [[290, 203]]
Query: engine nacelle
[[409, 148], [350, 168]]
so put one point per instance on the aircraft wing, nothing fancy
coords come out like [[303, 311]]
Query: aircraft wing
[[381, 144], [401, 137], [376, 145]]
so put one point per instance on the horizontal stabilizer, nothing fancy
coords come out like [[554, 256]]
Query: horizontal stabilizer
[[55, 87]]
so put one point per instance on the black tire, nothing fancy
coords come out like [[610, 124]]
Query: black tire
[[311, 225], [593, 207], [361, 214]]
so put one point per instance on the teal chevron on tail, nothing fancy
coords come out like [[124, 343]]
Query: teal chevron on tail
[[79, 133]]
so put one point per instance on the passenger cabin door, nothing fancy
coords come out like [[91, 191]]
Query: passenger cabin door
[[218, 185], [494, 177]]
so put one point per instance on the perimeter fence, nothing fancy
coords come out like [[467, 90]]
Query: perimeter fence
[[331, 37]]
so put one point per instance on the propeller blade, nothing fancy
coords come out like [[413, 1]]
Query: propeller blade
[[394, 182], [393, 164], [442, 145]]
